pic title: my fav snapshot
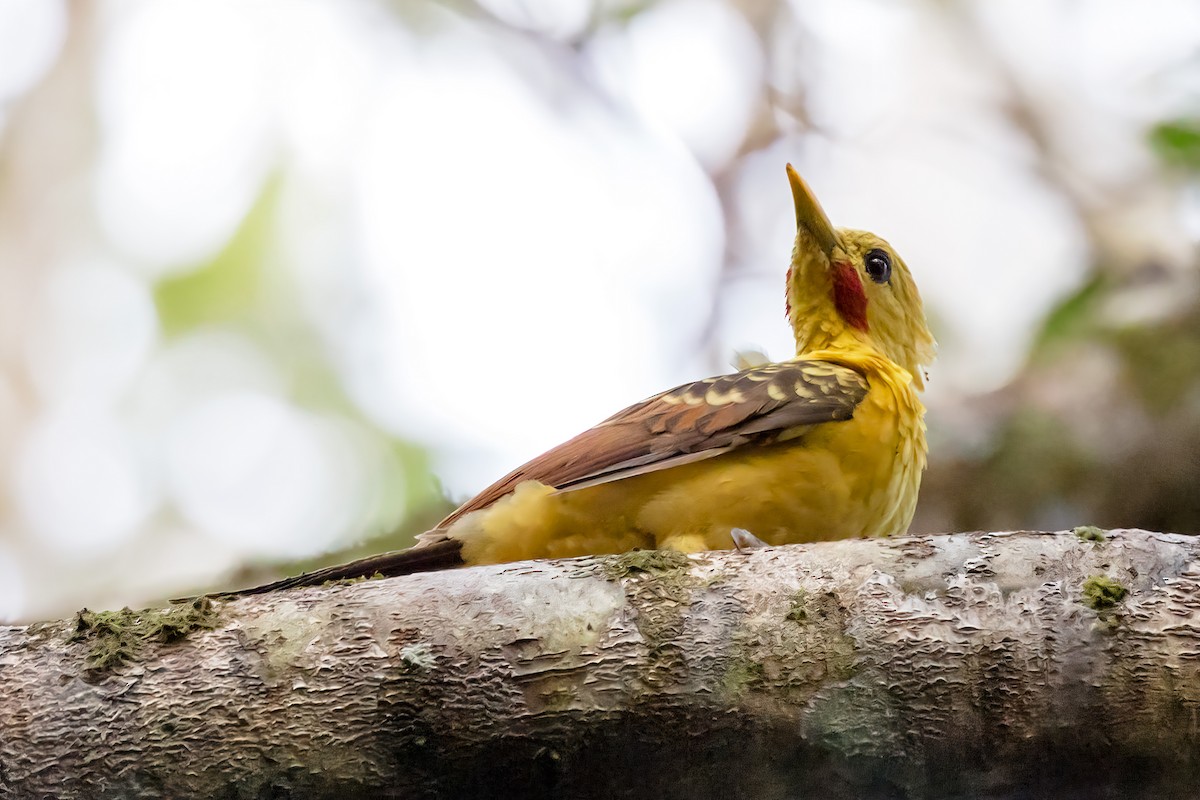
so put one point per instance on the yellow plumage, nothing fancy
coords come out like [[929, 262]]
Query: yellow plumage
[[836, 480], [828, 445]]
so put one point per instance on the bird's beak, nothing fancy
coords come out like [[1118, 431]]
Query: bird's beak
[[810, 215]]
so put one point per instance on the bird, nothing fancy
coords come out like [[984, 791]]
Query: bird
[[827, 445]]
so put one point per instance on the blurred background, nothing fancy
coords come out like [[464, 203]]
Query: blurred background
[[281, 278]]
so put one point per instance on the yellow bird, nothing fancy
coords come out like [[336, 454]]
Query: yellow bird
[[827, 445]]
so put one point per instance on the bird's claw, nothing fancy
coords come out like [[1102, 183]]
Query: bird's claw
[[744, 540]]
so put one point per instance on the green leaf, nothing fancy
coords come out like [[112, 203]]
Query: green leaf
[[1073, 317], [1177, 142]]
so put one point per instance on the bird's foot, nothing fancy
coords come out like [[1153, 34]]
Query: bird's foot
[[744, 540]]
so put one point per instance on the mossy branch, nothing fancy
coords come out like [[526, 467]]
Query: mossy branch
[[998, 665]]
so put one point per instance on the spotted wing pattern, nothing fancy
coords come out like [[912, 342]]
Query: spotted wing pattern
[[698, 420]]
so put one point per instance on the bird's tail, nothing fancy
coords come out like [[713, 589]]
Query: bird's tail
[[432, 554]]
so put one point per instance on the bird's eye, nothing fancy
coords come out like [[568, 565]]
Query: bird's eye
[[879, 266]]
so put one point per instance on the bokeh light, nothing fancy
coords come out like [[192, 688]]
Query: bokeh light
[[185, 115], [31, 33], [80, 483]]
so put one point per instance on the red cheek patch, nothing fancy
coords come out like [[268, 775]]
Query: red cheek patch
[[849, 296]]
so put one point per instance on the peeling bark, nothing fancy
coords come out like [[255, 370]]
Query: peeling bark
[[965, 665]]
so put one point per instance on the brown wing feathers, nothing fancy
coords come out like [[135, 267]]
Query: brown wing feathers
[[753, 406]]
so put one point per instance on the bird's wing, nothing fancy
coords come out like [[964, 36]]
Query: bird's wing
[[689, 423]]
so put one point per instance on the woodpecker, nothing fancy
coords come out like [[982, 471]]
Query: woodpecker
[[827, 445]]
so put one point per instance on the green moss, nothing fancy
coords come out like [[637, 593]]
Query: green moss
[[798, 609], [1090, 533], [418, 657], [117, 637], [655, 562], [1101, 592], [743, 673]]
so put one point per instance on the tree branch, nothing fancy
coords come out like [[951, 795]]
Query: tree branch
[[986, 665]]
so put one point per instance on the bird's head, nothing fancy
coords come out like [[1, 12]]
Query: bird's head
[[848, 287]]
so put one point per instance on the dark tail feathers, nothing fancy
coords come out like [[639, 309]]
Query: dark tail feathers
[[438, 554]]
